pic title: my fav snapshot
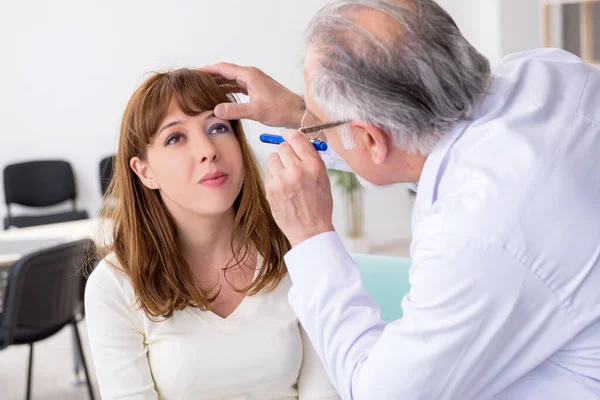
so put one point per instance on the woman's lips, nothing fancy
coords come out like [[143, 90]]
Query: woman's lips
[[215, 179]]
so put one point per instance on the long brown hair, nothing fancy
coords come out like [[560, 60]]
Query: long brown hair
[[142, 234]]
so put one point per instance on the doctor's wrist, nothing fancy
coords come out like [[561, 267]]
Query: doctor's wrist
[[296, 238]]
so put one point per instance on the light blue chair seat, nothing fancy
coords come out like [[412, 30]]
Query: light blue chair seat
[[386, 279]]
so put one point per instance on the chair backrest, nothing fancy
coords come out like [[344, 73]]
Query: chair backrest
[[386, 280], [39, 183], [106, 171], [44, 290]]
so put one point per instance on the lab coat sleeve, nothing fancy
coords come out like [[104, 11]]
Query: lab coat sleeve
[[474, 314]]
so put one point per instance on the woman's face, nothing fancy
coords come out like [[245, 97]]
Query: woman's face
[[195, 163]]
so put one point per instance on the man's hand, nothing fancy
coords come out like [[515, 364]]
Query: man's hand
[[298, 189], [270, 103]]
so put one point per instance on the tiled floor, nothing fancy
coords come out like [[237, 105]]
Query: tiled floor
[[53, 376]]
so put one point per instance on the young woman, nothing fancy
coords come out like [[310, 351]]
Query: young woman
[[190, 301]]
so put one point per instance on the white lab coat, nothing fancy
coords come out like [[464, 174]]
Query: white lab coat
[[505, 281]]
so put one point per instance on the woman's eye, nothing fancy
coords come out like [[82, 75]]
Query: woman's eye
[[218, 129], [174, 138]]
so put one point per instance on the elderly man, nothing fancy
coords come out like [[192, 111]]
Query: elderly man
[[505, 282]]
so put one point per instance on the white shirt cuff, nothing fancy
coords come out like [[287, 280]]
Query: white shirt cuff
[[318, 252]]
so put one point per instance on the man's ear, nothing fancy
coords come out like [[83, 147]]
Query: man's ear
[[143, 171], [374, 140]]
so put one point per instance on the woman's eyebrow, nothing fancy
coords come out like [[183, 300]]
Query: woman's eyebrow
[[168, 125]]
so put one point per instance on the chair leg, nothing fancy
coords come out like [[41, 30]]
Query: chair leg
[[84, 365], [29, 372], [76, 357]]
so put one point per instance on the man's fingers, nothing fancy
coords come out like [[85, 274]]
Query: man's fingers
[[235, 89], [232, 74], [268, 174], [287, 155], [228, 71], [223, 82], [274, 164], [235, 111], [300, 143]]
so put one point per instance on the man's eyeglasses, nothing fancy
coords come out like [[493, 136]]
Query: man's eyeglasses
[[318, 128]]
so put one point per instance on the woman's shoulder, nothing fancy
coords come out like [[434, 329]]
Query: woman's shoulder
[[108, 277], [285, 284], [282, 287], [109, 296], [276, 300]]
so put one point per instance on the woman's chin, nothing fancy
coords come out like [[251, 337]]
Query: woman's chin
[[213, 210]]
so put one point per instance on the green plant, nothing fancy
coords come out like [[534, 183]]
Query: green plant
[[353, 199]]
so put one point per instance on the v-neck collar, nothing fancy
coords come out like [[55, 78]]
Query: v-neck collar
[[242, 312]]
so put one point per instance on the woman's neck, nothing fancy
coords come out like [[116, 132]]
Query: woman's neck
[[205, 244], [206, 240]]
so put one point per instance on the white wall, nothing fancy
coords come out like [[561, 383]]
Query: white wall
[[478, 22], [498, 27], [68, 67], [521, 25]]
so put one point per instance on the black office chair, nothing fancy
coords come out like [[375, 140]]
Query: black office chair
[[40, 184], [43, 296], [106, 171]]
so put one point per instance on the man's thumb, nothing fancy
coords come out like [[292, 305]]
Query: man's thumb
[[234, 111]]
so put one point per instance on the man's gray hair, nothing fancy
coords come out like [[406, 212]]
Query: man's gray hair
[[415, 84]]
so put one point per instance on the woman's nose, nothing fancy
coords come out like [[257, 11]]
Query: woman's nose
[[206, 150]]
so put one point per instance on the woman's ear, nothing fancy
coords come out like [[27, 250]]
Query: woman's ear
[[375, 141], [143, 171]]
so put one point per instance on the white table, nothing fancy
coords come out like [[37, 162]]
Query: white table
[[14, 243]]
